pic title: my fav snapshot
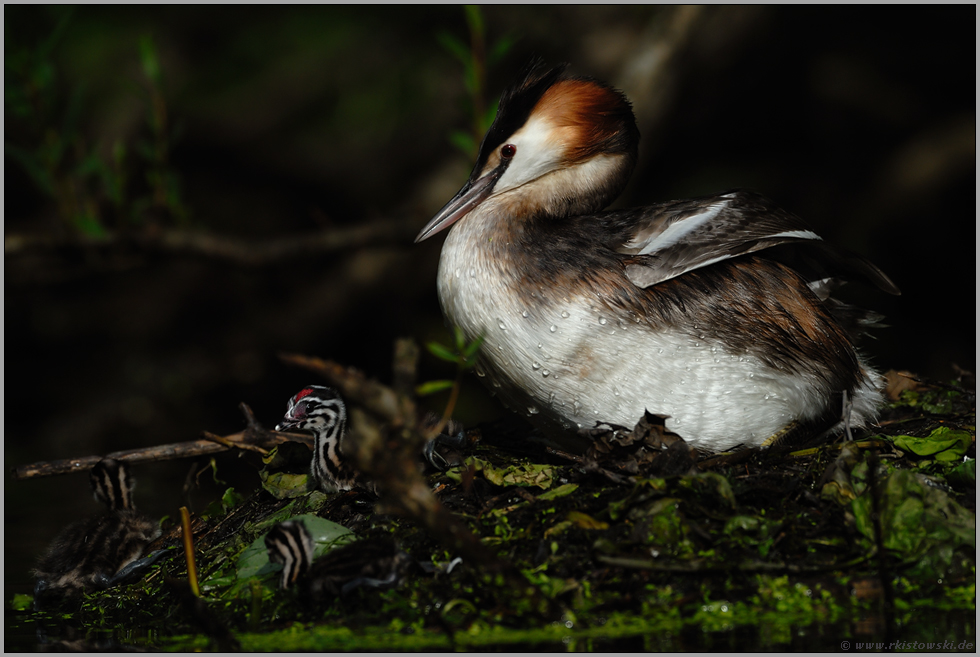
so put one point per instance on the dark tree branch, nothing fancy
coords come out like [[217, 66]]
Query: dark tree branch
[[253, 439], [219, 247]]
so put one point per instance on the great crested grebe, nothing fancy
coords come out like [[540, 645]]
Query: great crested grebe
[[101, 551], [688, 309], [367, 562], [321, 411]]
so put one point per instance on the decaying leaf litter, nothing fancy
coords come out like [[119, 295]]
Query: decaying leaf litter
[[639, 543]]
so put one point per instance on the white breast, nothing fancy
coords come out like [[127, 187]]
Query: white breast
[[575, 362]]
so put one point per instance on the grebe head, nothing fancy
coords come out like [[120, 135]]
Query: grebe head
[[112, 484], [290, 544], [317, 409], [321, 411], [559, 146]]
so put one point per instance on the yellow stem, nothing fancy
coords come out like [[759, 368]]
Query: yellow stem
[[185, 525]]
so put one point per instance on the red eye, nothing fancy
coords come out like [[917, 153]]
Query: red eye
[[508, 151]]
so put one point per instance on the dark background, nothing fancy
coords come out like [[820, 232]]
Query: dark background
[[285, 121]]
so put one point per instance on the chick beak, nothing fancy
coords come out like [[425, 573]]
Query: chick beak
[[471, 195]]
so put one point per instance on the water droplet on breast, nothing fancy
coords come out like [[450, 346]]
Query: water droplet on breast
[[501, 324], [602, 320], [532, 410], [546, 373], [472, 272], [552, 328], [524, 313], [457, 273], [536, 365], [551, 398], [660, 351], [564, 314]]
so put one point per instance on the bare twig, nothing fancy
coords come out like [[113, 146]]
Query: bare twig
[[169, 452], [221, 440], [221, 247]]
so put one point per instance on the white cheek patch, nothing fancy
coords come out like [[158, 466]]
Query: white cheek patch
[[539, 151]]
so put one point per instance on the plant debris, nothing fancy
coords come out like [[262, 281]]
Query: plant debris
[[638, 544]]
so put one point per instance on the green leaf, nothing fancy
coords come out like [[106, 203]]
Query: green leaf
[[441, 352], [943, 444], [527, 474], [430, 387], [501, 48], [89, 225], [21, 602], [586, 521], [282, 485], [455, 46], [463, 141], [963, 475], [474, 18], [254, 560], [561, 491], [473, 347], [459, 339], [149, 60], [231, 499]]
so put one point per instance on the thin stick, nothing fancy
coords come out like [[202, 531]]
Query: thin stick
[[188, 536], [221, 440], [169, 452]]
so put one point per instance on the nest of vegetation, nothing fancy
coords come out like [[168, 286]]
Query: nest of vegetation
[[641, 543]]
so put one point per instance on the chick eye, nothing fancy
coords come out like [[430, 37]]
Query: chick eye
[[508, 151]]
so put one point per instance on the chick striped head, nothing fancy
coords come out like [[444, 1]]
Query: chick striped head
[[112, 484], [290, 544], [320, 411]]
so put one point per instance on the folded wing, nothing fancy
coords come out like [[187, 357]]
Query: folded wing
[[666, 240]]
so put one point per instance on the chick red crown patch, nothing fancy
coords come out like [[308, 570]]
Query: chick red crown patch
[[305, 392]]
